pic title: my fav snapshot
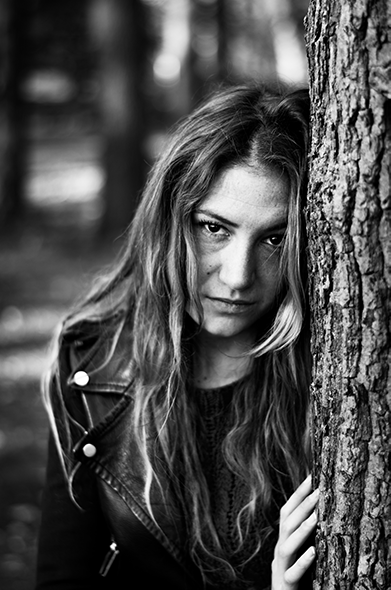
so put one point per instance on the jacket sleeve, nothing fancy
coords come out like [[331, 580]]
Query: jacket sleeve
[[73, 538]]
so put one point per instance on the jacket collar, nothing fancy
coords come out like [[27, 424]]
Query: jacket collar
[[102, 364]]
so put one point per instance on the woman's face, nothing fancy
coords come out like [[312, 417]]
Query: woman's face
[[238, 232]]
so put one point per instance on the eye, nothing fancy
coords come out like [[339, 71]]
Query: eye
[[275, 240], [212, 228]]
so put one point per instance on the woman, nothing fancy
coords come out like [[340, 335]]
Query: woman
[[178, 399]]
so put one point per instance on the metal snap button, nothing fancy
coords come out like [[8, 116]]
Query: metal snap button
[[81, 378], [89, 450]]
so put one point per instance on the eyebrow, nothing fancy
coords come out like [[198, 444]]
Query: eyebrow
[[275, 227], [216, 216]]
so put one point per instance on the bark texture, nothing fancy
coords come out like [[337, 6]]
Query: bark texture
[[349, 248]]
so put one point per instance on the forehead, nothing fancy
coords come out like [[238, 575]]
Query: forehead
[[247, 195]]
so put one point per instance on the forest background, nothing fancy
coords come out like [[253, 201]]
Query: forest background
[[88, 90]]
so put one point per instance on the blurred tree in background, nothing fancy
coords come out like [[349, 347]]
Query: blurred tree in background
[[121, 33], [13, 18], [45, 71], [124, 72]]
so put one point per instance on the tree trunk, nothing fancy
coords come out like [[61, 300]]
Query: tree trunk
[[231, 42], [118, 27], [5, 135], [223, 40], [12, 116], [349, 229]]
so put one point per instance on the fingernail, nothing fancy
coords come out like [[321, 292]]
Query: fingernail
[[315, 494], [312, 518]]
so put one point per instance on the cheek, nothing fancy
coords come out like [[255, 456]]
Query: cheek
[[206, 264], [268, 272]]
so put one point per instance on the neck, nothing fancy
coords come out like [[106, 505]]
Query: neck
[[219, 362]]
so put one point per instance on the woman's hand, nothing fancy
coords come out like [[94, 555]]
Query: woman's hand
[[297, 522]]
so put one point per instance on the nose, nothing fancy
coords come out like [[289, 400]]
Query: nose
[[238, 267]]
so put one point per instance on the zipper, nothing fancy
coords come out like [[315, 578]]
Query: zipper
[[109, 559]]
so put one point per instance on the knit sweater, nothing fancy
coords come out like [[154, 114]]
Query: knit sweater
[[228, 491]]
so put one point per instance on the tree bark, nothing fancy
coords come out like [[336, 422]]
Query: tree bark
[[349, 228]]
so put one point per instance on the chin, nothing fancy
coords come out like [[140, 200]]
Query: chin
[[227, 332]]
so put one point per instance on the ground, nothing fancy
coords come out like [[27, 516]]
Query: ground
[[45, 264]]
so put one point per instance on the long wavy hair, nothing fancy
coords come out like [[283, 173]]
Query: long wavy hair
[[155, 279]]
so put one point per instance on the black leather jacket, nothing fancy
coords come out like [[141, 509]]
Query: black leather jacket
[[105, 538], [109, 531], [96, 530]]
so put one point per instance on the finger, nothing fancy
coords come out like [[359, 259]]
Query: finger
[[294, 574], [299, 515], [297, 497], [289, 548]]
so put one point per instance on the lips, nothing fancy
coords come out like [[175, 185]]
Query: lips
[[231, 305], [232, 301]]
